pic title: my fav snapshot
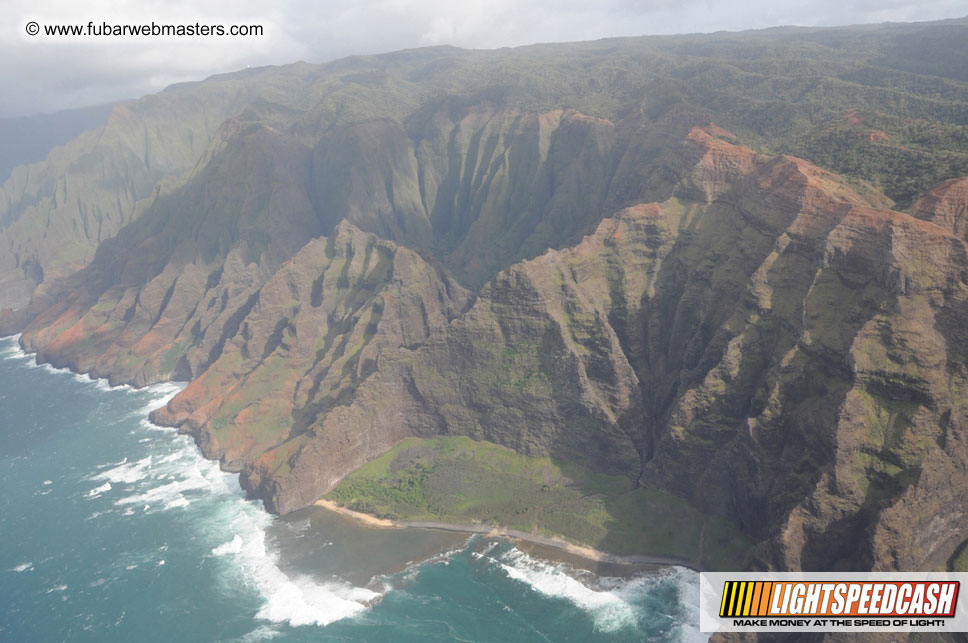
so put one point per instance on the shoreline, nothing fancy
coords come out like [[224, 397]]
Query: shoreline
[[559, 544], [573, 549]]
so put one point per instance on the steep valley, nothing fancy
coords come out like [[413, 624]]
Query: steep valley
[[561, 251]]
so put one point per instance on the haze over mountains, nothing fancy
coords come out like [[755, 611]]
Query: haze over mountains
[[730, 267]]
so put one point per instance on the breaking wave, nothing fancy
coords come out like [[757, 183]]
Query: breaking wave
[[613, 603]]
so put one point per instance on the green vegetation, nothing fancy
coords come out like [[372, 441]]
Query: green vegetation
[[459, 480], [959, 561], [900, 156], [170, 358]]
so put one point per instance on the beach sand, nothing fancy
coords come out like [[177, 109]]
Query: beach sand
[[545, 547]]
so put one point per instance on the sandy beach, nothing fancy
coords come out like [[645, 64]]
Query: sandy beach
[[550, 543]]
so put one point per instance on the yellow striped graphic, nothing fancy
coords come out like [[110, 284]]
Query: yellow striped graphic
[[749, 597], [746, 598]]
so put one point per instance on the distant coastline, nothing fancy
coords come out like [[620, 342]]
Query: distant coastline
[[574, 549]]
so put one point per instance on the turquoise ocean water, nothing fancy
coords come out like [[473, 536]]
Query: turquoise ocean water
[[112, 529]]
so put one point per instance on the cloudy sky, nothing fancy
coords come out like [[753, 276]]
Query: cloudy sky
[[44, 73]]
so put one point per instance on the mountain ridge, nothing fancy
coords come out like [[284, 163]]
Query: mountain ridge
[[592, 271]]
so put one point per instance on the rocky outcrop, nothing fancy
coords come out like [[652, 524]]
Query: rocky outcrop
[[160, 300], [762, 349], [946, 205], [748, 332], [317, 330]]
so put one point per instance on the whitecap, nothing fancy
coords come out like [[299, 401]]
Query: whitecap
[[303, 601], [151, 426], [103, 384], [161, 394], [177, 503], [54, 369], [234, 546], [83, 378], [176, 475], [47, 482], [126, 473], [23, 567], [297, 600], [56, 588], [611, 605], [171, 493], [13, 350], [97, 491], [261, 633]]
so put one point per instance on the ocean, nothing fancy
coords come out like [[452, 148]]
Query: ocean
[[113, 529]]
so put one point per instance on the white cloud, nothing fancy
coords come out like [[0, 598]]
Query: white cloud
[[55, 73]]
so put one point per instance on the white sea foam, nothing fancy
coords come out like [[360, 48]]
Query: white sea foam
[[194, 477], [126, 473], [56, 588], [149, 426], [84, 378], [241, 525], [261, 633], [177, 503], [110, 464], [103, 384], [612, 602], [688, 582], [11, 348], [234, 546], [97, 491], [299, 600], [54, 369], [174, 476], [610, 610], [47, 482], [304, 601], [161, 395], [23, 567]]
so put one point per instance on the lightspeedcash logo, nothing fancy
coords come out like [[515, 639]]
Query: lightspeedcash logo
[[832, 602]]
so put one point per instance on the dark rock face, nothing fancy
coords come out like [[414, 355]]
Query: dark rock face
[[638, 294], [778, 351], [764, 342]]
